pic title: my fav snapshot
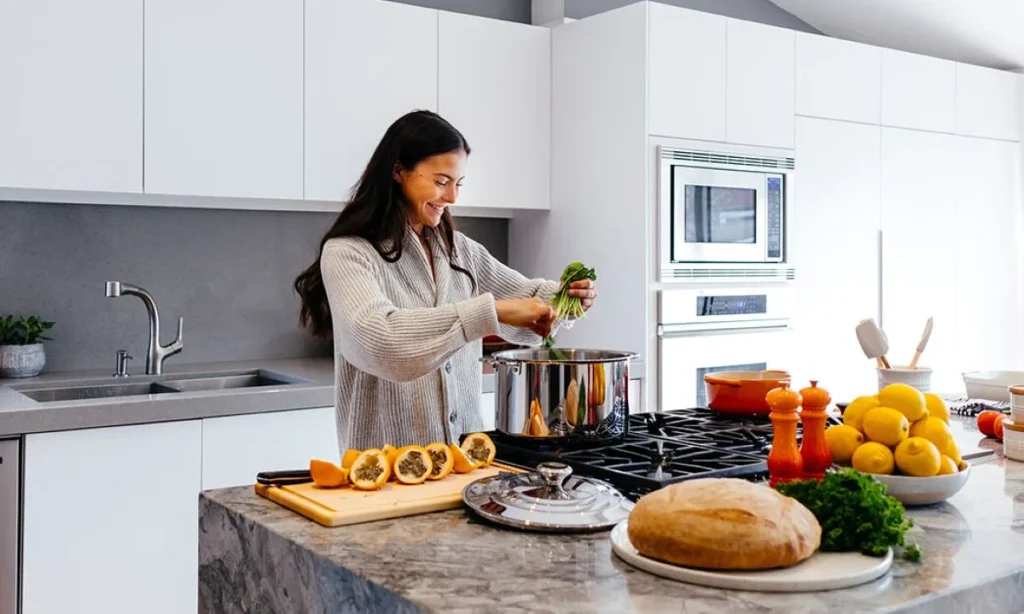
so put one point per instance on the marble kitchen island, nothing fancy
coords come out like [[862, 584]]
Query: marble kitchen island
[[256, 556]]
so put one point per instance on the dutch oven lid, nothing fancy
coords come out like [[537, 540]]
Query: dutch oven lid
[[549, 499]]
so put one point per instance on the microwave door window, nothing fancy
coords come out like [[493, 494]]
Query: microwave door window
[[715, 214]]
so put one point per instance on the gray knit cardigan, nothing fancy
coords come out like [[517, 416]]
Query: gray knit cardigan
[[407, 345]]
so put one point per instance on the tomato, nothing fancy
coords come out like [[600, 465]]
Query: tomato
[[997, 426], [986, 422]]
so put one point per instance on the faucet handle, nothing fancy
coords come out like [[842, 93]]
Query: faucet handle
[[122, 363]]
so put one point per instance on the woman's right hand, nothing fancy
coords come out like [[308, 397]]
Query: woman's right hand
[[532, 313]]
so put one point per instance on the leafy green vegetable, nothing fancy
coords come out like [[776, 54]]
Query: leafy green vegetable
[[854, 511], [912, 553], [568, 307]]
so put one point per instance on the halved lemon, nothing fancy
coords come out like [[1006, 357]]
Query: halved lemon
[[413, 465], [461, 463], [370, 471], [350, 457], [326, 474], [442, 459], [390, 452], [480, 448]]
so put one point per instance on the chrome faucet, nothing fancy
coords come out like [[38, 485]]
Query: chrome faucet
[[155, 353]]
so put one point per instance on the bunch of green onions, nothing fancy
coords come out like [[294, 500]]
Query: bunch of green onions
[[568, 307]]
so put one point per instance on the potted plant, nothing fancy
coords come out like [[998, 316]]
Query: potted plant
[[21, 347]]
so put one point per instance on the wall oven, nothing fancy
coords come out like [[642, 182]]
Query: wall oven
[[706, 330], [723, 212]]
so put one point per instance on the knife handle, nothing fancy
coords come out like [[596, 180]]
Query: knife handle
[[284, 478]]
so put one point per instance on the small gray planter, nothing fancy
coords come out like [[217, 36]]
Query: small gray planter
[[22, 360]]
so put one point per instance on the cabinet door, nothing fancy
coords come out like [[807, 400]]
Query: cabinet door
[[487, 410], [987, 102], [352, 95], [494, 85], [987, 221], [686, 79], [838, 79], [111, 520], [836, 221], [920, 233], [71, 95], [760, 84], [224, 98], [236, 448], [918, 91]]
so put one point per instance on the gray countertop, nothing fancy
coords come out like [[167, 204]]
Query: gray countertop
[[255, 554]]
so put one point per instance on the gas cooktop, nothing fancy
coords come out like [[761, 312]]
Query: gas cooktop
[[661, 448]]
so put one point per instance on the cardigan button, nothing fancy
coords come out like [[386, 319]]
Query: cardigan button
[[452, 418], [448, 367]]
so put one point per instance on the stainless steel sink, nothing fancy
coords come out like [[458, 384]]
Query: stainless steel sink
[[167, 384], [225, 382], [78, 393]]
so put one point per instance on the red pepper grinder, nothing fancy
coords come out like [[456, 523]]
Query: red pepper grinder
[[814, 450], [784, 461]]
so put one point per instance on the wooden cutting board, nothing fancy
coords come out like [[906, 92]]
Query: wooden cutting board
[[335, 507]]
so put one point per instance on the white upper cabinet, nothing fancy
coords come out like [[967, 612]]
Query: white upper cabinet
[[918, 91], [71, 95], [223, 111], [495, 88], [353, 95], [686, 83], [987, 102], [760, 83], [838, 79]]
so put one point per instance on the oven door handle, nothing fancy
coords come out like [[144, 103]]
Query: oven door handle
[[670, 331]]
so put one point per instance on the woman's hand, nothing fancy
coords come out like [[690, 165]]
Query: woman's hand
[[586, 291], [531, 313]]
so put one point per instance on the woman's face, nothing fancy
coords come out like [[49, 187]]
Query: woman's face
[[432, 186]]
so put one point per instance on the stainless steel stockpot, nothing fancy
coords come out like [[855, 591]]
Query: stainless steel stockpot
[[563, 394]]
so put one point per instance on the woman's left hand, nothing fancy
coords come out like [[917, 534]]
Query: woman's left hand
[[586, 291]]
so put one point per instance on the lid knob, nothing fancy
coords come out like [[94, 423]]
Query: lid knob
[[555, 474]]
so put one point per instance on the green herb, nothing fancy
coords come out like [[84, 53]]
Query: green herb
[[568, 307], [23, 331], [581, 413], [855, 513], [912, 553]]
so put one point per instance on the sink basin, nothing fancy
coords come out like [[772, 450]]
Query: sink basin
[[159, 384], [226, 382], [104, 391]]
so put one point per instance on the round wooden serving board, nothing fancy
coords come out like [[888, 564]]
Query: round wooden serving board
[[821, 572]]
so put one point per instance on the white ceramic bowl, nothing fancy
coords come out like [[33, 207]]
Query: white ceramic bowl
[[992, 385], [925, 491]]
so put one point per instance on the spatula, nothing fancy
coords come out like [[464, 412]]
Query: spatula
[[921, 345], [873, 341]]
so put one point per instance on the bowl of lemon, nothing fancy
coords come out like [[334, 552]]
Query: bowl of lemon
[[902, 437]]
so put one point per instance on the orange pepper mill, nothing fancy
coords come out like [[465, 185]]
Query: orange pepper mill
[[813, 449], [784, 461]]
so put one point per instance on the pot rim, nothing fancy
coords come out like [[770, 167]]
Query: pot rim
[[508, 357]]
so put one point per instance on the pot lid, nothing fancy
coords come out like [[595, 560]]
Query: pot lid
[[548, 499]]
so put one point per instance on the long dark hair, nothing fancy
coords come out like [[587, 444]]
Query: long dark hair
[[377, 210]]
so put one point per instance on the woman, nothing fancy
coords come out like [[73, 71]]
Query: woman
[[408, 299]]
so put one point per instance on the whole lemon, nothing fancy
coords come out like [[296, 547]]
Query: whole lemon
[[934, 430], [953, 451], [918, 457], [905, 399], [886, 426], [873, 457], [936, 407], [842, 441], [947, 466], [853, 415]]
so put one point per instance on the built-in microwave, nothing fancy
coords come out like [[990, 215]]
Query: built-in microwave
[[723, 212]]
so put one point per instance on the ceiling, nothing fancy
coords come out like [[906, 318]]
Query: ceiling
[[983, 32]]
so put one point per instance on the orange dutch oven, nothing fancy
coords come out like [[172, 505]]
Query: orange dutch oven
[[742, 392]]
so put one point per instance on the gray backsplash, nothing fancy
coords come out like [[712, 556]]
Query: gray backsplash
[[229, 273]]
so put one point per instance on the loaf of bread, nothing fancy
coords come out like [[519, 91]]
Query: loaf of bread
[[723, 523]]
